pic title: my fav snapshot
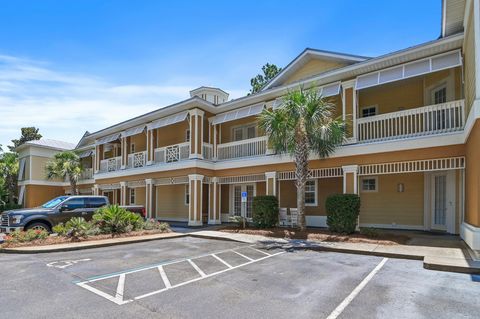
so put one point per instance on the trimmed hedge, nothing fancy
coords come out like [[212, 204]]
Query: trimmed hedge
[[265, 211], [342, 212]]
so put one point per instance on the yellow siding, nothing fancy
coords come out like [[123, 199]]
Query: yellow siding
[[313, 67], [469, 57], [387, 206], [140, 141], [172, 134], [38, 168], [170, 202]]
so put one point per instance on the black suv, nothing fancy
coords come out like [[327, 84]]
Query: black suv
[[58, 210]]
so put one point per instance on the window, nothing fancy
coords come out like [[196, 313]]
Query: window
[[74, 203], [369, 111], [439, 95], [311, 193], [132, 196], [96, 202], [132, 148], [369, 184], [187, 195], [243, 132], [187, 136]]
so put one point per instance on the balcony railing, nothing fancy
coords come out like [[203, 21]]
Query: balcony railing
[[245, 148], [87, 173], [172, 153], [111, 164], [207, 151], [136, 160], [427, 120]]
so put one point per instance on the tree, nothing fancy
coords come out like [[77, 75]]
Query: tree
[[65, 165], [9, 175], [28, 134], [304, 123], [260, 80]]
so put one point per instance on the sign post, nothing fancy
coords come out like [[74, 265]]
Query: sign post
[[244, 207]]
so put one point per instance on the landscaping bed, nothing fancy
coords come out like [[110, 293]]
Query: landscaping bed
[[373, 237], [54, 239]]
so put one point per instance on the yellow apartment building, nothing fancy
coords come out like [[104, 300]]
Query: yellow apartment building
[[412, 153]]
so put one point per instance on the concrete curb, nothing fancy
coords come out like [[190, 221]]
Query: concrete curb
[[87, 245]]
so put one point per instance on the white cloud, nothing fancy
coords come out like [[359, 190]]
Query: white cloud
[[65, 105]]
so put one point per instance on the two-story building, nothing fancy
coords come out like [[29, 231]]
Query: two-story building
[[412, 151]]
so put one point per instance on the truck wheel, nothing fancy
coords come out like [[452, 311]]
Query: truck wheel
[[38, 226]]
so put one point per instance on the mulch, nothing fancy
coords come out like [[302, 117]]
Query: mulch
[[53, 240], [321, 235]]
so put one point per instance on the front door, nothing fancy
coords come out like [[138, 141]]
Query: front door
[[443, 201], [239, 208], [109, 195]]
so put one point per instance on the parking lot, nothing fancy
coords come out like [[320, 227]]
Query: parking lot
[[200, 278]]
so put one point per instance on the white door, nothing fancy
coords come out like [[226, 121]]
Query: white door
[[443, 201], [240, 209]]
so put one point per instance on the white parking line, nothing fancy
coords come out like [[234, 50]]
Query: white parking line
[[260, 251], [335, 313], [194, 265], [119, 295], [165, 279]]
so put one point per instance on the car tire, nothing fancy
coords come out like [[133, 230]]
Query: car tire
[[38, 226]]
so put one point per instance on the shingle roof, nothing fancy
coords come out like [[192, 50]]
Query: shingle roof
[[52, 144]]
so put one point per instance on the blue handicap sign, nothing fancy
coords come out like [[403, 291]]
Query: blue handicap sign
[[244, 197]]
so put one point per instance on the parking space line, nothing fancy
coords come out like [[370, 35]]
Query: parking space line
[[222, 261], [242, 255], [118, 299], [335, 313], [260, 251], [165, 279], [120, 287], [194, 265]]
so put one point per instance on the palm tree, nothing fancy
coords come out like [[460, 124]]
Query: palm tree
[[304, 123], [9, 174], [65, 165]]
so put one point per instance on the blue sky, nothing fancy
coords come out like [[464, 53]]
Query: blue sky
[[71, 66]]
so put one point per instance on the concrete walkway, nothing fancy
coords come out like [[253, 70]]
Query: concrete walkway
[[438, 253]]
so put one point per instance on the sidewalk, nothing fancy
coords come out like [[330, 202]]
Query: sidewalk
[[446, 257]]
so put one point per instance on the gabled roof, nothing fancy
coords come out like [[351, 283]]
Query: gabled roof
[[453, 13], [207, 88], [307, 55], [49, 143]]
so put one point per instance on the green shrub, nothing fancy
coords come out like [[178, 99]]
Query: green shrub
[[26, 236], [60, 229], [342, 212], [265, 211], [77, 228], [241, 221], [6, 206], [152, 224], [369, 232], [114, 220]]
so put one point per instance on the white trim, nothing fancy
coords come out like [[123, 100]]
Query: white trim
[[374, 106], [315, 203], [350, 169], [471, 235], [187, 191], [237, 114], [169, 120], [42, 183]]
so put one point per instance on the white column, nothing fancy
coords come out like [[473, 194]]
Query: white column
[[214, 203], [195, 206], [95, 190], [271, 183], [196, 133], [123, 193], [149, 197]]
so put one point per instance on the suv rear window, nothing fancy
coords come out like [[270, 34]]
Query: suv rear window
[[96, 202]]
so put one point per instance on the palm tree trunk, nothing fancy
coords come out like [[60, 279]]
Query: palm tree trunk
[[301, 174], [73, 186]]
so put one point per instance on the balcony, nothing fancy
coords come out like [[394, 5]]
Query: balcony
[[245, 148], [87, 173], [172, 153], [136, 160], [422, 121], [111, 164]]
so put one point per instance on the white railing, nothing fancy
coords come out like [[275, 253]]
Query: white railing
[[172, 153], [111, 164], [87, 173], [433, 119], [207, 151], [136, 160], [245, 148]]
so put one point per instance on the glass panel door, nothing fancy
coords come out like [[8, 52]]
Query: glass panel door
[[239, 208], [249, 190], [237, 200], [439, 202]]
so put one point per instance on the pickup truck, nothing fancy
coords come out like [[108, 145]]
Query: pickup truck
[[58, 210]]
